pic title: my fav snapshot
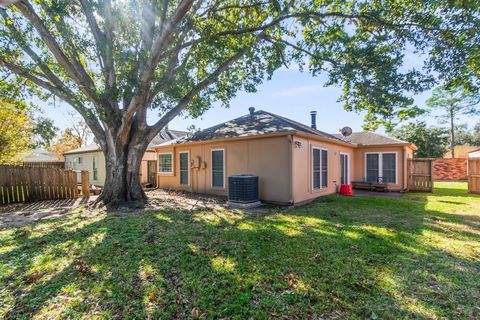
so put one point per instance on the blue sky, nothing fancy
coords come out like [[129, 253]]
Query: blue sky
[[290, 93]]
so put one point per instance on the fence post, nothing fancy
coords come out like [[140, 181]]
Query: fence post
[[85, 184]]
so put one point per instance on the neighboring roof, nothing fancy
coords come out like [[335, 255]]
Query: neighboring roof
[[39, 155], [162, 137], [367, 138], [461, 151], [88, 148], [476, 150], [260, 123], [165, 136]]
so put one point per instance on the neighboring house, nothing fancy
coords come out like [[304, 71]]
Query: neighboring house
[[294, 162], [92, 159], [461, 151], [474, 153], [39, 155]]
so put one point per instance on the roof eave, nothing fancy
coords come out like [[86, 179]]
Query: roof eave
[[383, 145], [258, 136], [326, 139], [79, 152]]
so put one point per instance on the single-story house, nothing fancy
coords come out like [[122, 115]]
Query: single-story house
[[92, 159], [294, 162], [474, 153]]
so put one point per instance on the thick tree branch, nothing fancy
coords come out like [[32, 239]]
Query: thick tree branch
[[80, 77], [66, 96], [98, 35], [182, 104], [147, 76]]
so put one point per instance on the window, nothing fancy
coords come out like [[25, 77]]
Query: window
[[184, 168], [79, 160], [389, 163], [381, 165], [165, 162], [319, 168], [373, 166], [344, 168], [218, 170], [95, 169]]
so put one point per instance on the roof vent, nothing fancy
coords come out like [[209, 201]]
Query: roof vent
[[313, 114], [252, 110]]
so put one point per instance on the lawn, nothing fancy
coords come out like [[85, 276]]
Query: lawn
[[336, 258]]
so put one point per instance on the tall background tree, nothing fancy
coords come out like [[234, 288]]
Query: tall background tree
[[15, 130], [44, 132], [116, 62], [452, 102], [432, 142]]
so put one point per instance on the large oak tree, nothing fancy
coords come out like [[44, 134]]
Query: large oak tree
[[116, 61]]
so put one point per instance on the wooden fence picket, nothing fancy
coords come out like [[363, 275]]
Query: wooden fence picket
[[27, 183]]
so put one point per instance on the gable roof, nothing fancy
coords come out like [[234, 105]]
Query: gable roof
[[259, 123], [164, 136], [88, 148], [368, 138]]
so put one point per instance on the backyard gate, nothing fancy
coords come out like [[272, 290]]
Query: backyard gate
[[26, 184], [420, 175], [474, 175]]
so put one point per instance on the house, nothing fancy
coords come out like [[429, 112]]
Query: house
[[474, 153], [294, 162], [92, 159], [39, 155], [460, 151]]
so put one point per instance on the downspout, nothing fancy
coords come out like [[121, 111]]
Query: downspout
[[290, 140]]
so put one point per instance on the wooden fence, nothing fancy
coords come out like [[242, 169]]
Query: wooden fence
[[420, 175], [26, 184], [45, 164], [474, 175]]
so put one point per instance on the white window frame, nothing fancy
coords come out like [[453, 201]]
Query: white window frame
[[179, 168], [211, 168], [348, 166], [380, 164], [160, 172], [311, 169], [95, 168]]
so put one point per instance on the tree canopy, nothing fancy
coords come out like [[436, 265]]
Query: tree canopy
[[115, 61], [15, 131], [453, 101], [44, 131], [432, 142]]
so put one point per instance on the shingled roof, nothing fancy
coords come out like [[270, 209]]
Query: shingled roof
[[162, 137], [367, 138], [258, 123]]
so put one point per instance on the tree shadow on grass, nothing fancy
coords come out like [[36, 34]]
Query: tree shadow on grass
[[334, 258]]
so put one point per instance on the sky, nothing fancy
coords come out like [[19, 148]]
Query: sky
[[290, 93]]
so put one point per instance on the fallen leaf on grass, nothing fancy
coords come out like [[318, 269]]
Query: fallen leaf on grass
[[34, 277], [82, 267]]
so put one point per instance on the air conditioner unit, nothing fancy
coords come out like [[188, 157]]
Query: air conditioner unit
[[243, 190]]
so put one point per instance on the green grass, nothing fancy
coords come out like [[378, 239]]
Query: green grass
[[338, 257]]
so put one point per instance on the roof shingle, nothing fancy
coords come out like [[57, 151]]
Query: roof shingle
[[260, 123], [367, 138]]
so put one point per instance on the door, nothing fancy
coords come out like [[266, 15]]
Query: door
[[152, 172], [344, 168]]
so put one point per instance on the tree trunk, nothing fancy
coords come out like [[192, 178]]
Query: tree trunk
[[122, 181], [452, 134]]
